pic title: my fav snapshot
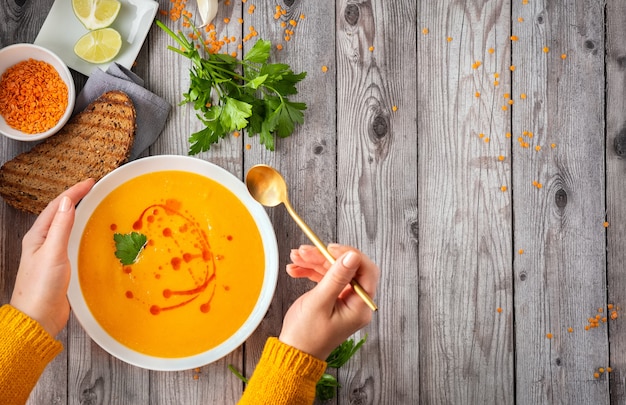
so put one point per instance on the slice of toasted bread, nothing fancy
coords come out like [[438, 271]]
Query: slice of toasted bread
[[92, 144]]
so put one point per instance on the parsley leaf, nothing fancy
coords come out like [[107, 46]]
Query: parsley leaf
[[128, 246], [230, 94]]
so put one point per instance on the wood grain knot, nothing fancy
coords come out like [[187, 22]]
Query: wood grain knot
[[590, 46], [92, 395], [380, 126], [414, 229], [540, 19], [557, 361], [621, 62], [560, 198], [352, 14], [319, 148], [522, 276], [619, 143], [288, 3]]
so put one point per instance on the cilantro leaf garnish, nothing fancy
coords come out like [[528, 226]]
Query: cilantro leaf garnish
[[230, 94], [128, 246]]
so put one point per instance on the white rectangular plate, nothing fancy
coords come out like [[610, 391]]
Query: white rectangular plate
[[62, 29]]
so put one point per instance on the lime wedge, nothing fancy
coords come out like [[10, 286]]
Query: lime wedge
[[96, 14], [99, 46]]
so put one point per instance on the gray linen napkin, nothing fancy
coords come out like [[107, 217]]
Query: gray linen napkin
[[151, 110]]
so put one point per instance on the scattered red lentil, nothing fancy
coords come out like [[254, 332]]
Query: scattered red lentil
[[563, 56], [449, 39], [491, 50], [549, 335], [521, 251], [546, 49], [501, 158], [520, 19], [514, 37], [324, 68], [522, 96], [371, 48], [570, 329], [503, 188], [606, 224], [394, 108], [33, 97], [425, 31], [499, 310]]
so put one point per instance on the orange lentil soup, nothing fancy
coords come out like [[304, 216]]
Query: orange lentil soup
[[198, 277]]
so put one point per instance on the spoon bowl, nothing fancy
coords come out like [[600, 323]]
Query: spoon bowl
[[268, 187]]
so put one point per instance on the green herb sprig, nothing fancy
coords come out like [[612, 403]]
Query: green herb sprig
[[128, 246], [230, 94], [327, 385]]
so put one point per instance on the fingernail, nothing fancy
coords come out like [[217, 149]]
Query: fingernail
[[65, 204], [350, 260]]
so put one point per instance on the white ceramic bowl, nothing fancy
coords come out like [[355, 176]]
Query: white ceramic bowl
[[13, 54], [215, 173]]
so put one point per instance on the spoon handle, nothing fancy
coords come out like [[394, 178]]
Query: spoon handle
[[322, 248]]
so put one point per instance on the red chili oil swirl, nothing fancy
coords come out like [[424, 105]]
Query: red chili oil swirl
[[205, 283]]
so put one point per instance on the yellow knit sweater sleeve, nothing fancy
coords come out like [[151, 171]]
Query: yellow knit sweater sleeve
[[284, 376], [25, 351]]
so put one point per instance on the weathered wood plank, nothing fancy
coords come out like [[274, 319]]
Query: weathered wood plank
[[464, 215], [377, 187], [615, 189], [306, 159], [560, 279]]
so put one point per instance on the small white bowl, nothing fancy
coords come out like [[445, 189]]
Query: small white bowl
[[13, 54]]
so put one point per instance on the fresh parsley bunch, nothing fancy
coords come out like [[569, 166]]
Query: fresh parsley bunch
[[230, 94]]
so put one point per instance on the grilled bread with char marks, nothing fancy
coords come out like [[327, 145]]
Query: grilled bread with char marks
[[93, 143]]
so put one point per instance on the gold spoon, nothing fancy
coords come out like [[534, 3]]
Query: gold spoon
[[267, 186]]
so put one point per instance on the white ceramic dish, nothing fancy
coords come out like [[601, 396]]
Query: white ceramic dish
[[62, 29], [16, 53], [215, 173]]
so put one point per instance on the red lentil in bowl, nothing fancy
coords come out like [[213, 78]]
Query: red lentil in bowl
[[36, 92]]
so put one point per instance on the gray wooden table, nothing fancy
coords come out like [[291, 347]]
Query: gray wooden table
[[486, 218]]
